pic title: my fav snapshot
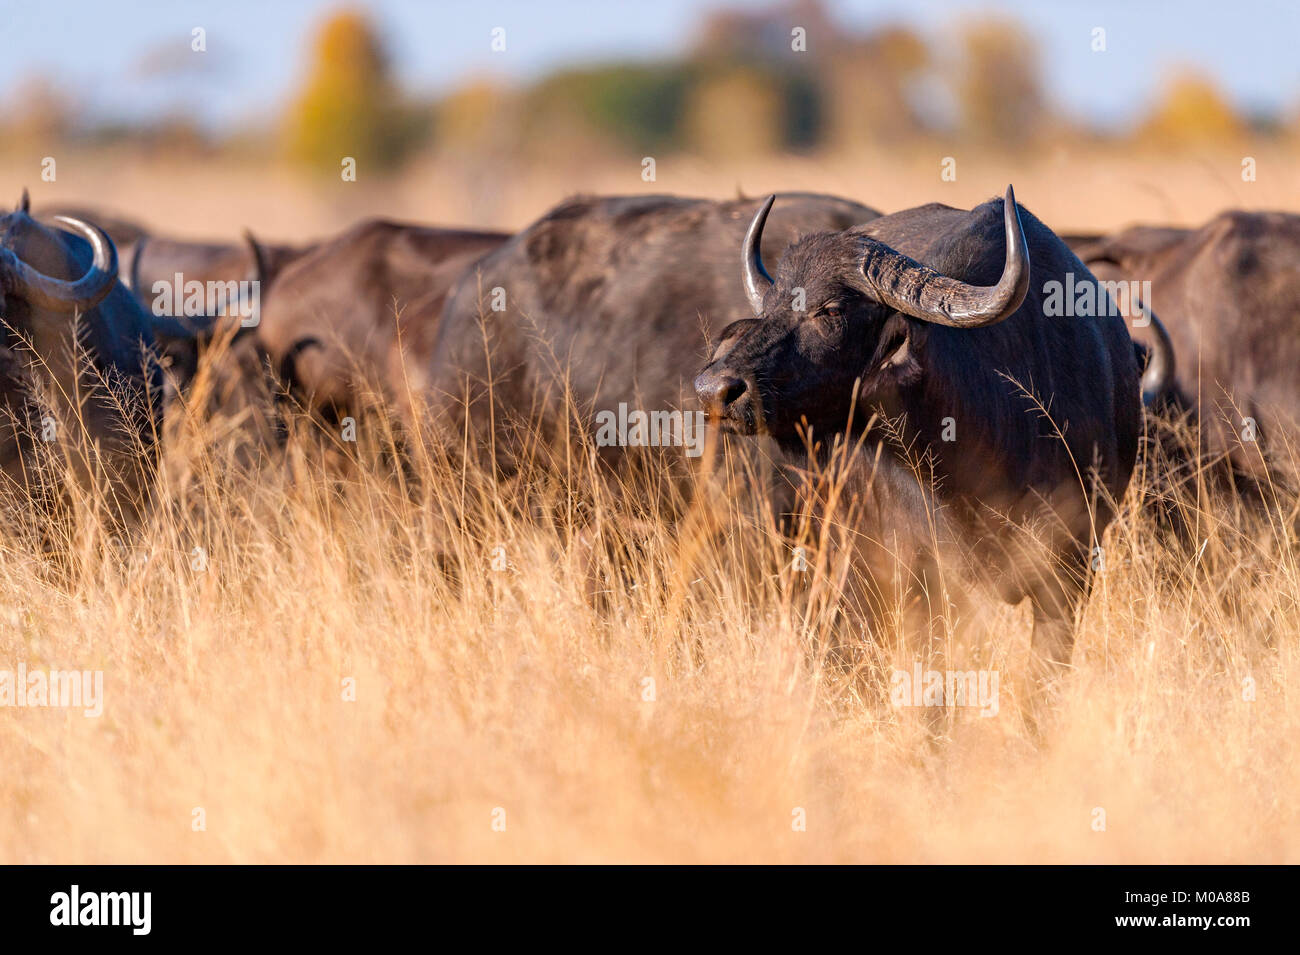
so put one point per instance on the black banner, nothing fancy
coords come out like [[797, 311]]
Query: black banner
[[135, 904]]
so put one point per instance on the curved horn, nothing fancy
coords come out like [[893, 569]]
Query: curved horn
[[1159, 376], [257, 282], [756, 279], [132, 281], [244, 306], [260, 267], [919, 291], [58, 294]]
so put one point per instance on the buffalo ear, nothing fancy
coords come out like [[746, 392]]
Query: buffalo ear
[[896, 355], [25, 203]]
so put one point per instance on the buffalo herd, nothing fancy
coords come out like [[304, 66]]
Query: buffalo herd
[[979, 376]]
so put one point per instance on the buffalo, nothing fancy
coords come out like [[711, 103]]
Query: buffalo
[[228, 284], [986, 424], [193, 289], [150, 261], [1229, 293], [360, 310], [80, 379], [598, 308], [339, 321]]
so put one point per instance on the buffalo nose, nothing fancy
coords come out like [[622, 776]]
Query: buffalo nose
[[719, 391]]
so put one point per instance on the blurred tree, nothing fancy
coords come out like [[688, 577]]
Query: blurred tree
[[734, 113], [176, 134], [869, 89], [766, 33], [348, 105], [1191, 110], [999, 87], [39, 114], [479, 117], [770, 62], [628, 107]]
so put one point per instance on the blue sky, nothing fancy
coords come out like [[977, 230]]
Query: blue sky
[[131, 58]]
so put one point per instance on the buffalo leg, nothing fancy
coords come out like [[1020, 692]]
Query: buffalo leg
[[1054, 604]]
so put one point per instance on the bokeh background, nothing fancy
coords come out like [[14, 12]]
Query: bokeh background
[[488, 113]]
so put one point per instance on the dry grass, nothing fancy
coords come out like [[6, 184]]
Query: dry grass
[[524, 689]]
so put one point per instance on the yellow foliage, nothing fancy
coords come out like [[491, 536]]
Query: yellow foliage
[[346, 106], [1192, 110]]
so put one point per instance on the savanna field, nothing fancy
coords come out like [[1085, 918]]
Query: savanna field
[[316, 655]]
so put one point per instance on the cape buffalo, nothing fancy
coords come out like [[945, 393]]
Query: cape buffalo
[[194, 290], [1229, 293], [606, 301], [360, 310], [985, 421], [157, 270], [79, 376], [190, 289], [147, 259]]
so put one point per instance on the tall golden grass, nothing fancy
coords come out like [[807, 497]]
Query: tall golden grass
[[339, 657]]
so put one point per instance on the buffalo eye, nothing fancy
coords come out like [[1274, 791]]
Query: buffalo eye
[[832, 310]]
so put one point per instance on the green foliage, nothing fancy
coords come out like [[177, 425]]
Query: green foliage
[[638, 107], [716, 108]]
